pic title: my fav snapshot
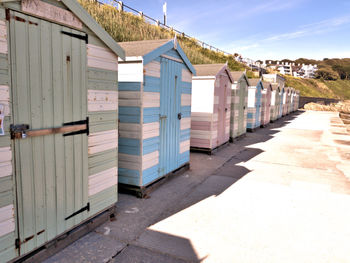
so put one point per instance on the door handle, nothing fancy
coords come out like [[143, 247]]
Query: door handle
[[179, 116]]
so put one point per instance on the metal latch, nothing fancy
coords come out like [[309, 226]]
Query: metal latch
[[162, 117], [19, 131], [179, 116]]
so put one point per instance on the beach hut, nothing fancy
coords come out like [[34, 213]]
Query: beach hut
[[155, 85], [211, 106], [58, 149], [296, 100], [239, 103], [265, 104], [291, 103], [286, 98], [275, 102], [282, 99], [255, 90]]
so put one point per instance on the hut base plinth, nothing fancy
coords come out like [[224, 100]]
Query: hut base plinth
[[63, 240], [144, 191], [209, 151], [252, 129], [239, 137]]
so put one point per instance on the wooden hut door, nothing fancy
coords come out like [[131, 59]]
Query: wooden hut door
[[170, 115], [48, 67], [221, 106]]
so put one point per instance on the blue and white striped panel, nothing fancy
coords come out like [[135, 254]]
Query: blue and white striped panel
[[149, 160]]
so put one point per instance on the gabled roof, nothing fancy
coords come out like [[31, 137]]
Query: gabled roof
[[80, 12], [254, 82], [237, 75], [150, 49], [141, 48], [267, 85], [212, 70], [275, 86]]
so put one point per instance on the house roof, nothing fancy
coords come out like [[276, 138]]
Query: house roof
[[80, 12], [143, 47], [150, 49], [212, 70]]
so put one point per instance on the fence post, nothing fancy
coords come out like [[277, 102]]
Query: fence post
[[141, 14], [157, 23], [120, 6]]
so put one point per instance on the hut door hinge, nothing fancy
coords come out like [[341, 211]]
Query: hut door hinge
[[86, 37], [17, 243], [85, 208]]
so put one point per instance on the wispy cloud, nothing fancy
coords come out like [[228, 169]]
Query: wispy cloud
[[269, 7], [318, 28], [321, 27]]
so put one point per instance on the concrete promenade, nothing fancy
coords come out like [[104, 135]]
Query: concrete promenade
[[279, 195]]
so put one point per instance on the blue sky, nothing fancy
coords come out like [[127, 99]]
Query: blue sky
[[261, 29]]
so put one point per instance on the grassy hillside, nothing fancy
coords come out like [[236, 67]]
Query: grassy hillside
[[339, 89], [123, 26]]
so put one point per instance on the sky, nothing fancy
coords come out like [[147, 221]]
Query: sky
[[261, 29]]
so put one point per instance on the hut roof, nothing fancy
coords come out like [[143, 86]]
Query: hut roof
[[150, 49], [275, 86], [208, 69], [143, 47], [237, 75], [266, 85], [254, 82], [212, 70]]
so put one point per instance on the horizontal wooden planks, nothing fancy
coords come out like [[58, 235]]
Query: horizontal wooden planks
[[102, 141], [7, 220], [5, 161], [51, 12], [102, 180], [3, 37], [5, 99], [102, 100], [152, 69], [102, 58]]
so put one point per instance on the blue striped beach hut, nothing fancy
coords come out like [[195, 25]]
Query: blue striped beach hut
[[155, 86]]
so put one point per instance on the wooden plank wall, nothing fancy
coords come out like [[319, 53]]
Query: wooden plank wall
[[103, 138], [7, 194], [130, 126]]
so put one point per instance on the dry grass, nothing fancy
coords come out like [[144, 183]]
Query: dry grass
[[343, 106], [123, 26]]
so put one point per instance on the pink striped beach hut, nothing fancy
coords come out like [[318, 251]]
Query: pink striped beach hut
[[211, 106]]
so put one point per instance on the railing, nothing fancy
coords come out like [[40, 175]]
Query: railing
[[122, 7]]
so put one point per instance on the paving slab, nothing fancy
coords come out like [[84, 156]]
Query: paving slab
[[91, 248], [134, 254]]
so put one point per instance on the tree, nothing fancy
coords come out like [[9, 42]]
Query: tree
[[326, 74]]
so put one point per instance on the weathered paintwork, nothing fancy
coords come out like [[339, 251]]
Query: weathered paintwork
[[55, 78], [275, 102]]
